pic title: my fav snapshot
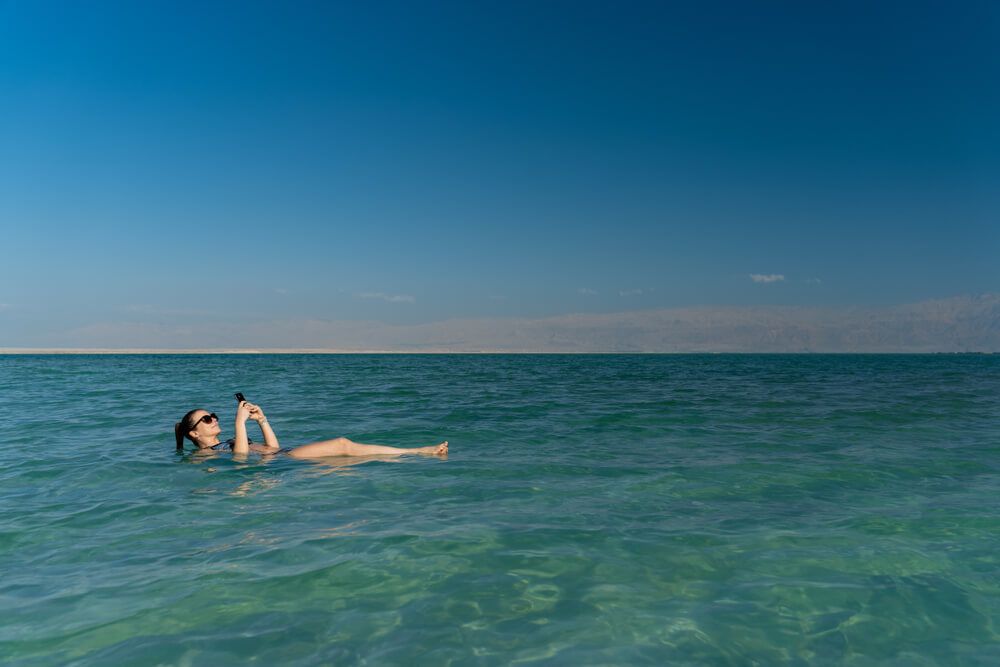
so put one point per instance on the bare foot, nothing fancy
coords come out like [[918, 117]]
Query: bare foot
[[436, 450]]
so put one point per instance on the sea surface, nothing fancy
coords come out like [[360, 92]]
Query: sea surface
[[612, 510]]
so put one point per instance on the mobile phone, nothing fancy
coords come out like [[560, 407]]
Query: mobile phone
[[240, 397]]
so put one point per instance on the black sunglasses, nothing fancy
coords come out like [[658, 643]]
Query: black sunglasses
[[205, 419]]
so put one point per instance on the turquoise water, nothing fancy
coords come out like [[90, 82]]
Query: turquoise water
[[721, 510]]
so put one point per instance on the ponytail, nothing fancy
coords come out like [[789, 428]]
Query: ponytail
[[182, 428], [179, 435]]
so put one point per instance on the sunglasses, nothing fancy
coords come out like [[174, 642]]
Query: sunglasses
[[205, 419]]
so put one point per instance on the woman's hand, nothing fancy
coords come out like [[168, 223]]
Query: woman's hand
[[256, 413], [243, 411], [247, 410]]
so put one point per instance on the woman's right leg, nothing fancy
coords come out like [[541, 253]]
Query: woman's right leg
[[345, 447]]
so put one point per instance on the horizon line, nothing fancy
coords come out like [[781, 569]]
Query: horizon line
[[56, 351]]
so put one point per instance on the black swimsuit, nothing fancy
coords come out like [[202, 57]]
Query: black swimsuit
[[229, 443]]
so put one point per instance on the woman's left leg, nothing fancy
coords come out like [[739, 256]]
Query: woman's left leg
[[345, 447]]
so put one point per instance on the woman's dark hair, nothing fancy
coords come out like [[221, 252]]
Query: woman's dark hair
[[183, 427]]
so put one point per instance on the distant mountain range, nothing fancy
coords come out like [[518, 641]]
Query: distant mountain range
[[961, 324]]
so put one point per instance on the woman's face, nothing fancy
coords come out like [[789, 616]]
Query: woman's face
[[206, 425]]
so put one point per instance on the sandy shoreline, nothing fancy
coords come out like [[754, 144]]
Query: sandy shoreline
[[69, 351]]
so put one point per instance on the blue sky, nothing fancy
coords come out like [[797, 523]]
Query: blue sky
[[403, 163]]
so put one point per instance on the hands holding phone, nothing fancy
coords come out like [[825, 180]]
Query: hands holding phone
[[247, 410]]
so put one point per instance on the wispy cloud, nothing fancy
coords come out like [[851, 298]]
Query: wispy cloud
[[388, 298], [586, 291], [630, 292], [280, 290], [767, 277], [814, 281]]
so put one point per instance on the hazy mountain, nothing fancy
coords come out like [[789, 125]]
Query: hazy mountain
[[958, 324]]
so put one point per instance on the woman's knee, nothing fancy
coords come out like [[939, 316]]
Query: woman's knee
[[332, 442]]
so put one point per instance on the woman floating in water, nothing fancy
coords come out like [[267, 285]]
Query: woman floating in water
[[202, 428]]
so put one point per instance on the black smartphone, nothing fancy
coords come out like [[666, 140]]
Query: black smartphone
[[240, 397]]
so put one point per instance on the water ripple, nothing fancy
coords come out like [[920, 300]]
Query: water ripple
[[594, 510]]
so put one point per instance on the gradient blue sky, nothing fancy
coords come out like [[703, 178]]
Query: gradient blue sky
[[416, 161]]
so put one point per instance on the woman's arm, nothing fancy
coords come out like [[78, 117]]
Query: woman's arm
[[241, 444], [270, 439]]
